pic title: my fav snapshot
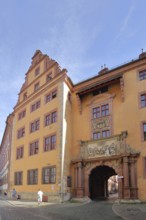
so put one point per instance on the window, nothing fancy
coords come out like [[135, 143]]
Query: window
[[36, 86], [19, 152], [101, 134], [50, 118], [37, 71], [32, 177], [20, 133], [96, 135], [49, 175], [35, 126], [105, 134], [21, 114], [49, 77], [96, 112], [24, 96], [142, 75], [51, 96], [144, 131], [34, 148], [50, 143], [100, 91], [35, 106], [143, 100], [144, 167], [103, 110], [18, 178]]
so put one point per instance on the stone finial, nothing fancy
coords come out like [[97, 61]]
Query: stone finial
[[142, 55], [103, 70]]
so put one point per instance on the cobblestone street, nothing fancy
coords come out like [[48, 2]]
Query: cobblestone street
[[66, 211]]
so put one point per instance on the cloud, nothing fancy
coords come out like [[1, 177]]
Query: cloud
[[126, 20]]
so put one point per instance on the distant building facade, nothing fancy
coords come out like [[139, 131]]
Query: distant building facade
[[5, 155], [70, 140]]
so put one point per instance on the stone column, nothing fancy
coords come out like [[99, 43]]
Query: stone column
[[79, 191], [133, 188], [126, 178]]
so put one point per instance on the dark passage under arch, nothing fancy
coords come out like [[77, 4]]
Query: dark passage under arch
[[98, 182]]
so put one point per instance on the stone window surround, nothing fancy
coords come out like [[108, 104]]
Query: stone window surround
[[49, 180], [138, 72], [35, 104], [142, 131], [50, 93], [105, 101], [18, 175], [34, 147], [22, 131], [19, 152], [144, 167], [34, 122], [50, 113], [50, 135], [35, 171], [139, 99], [21, 114]]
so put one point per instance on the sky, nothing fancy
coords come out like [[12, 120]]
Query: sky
[[81, 35]]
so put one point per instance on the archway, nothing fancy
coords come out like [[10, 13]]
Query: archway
[[98, 182]]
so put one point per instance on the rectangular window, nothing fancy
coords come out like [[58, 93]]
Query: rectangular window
[[32, 177], [143, 100], [50, 143], [100, 111], [144, 167], [49, 77], [19, 152], [96, 135], [18, 178], [105, 134], [24, 96], [100, 91], [21, 114], [142, 75], [96, 112], [36, 86], [34, 148], [51, 96], [49, 175], [20, 133], [144, 131], [105, 110], [37, 71], [50, 118], [35, 106], [35, 126]]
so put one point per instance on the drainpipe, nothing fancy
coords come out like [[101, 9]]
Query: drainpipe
[[63, 129]]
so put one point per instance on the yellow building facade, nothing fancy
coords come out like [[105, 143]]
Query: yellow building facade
[[109, 132], [69, 140], [39, 156]]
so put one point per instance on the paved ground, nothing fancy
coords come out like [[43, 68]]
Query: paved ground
[[102, 210]]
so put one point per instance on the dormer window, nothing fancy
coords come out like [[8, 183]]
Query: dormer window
[[37, 71], [49, 77], [36, 86]]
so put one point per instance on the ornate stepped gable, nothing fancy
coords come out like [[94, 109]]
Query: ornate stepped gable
[[48, 63]]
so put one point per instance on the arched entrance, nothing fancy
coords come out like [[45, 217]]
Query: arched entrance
[[98, 182]]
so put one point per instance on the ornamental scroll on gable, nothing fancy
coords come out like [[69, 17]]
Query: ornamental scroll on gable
[[113, 146]]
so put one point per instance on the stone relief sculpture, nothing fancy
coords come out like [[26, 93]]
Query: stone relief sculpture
[[113, 146]]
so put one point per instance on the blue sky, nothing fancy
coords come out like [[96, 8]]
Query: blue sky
[[81, 35]]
